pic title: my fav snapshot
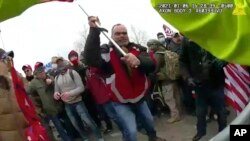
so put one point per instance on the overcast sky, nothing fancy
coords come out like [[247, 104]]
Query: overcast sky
[[52, 28]]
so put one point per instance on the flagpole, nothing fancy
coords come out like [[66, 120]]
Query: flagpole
[[105, 34], [1, 38]]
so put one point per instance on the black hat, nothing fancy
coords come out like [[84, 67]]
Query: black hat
[[4, 54], [159, 33], [175, 34]]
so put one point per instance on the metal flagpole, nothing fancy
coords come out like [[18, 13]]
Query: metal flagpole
[[105, 34], [1, 38]]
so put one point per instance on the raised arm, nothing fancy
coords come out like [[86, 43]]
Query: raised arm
[[92, 52]]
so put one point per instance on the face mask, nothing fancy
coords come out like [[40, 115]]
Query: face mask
[[162, 40], [62, 70], [54, 66], [74, 62]]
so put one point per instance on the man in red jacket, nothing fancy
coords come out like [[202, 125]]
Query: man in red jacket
[[125, 77]]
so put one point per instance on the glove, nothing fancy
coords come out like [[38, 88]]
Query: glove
[[102, 29]]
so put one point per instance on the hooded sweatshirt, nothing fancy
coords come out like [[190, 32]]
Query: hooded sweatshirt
[[64, 83]]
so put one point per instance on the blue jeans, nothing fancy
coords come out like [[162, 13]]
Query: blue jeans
[[124, 115], [79, 109], [68, 126], [58, 125]]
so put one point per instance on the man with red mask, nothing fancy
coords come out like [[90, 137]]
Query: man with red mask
[[94, 110], [76, 64]]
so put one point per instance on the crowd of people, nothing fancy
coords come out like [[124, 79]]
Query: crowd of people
[[102, 84]]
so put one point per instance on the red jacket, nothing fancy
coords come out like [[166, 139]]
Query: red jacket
[[126, 85], [96, 84]]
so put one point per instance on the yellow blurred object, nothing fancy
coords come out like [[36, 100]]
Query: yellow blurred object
[[219, 26], [239, 10]]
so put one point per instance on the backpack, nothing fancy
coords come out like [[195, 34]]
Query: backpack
[[172, 65], [158, 100]]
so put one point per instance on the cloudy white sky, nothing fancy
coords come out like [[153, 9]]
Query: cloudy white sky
[[53, 28]]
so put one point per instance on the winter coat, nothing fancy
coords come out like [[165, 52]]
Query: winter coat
[[12, 121], [202, 66], [128, 85], [42, 96]]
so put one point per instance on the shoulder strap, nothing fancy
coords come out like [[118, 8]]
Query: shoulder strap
[[71, 74], [56, 77], [55, 81]]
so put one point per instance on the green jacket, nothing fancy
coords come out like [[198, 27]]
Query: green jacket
[[159, 72], [42, 96]]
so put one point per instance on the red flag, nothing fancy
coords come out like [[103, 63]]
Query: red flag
[[237, 86], [35, 131], [23, 100], [168, 31], [57, 0]]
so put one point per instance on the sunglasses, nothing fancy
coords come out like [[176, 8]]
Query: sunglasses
[[119, 33]]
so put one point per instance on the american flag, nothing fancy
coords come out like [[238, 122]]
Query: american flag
[[168, 31], [237, 86]]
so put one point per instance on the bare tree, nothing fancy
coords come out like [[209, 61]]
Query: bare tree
[[138, 36], [80, 43]]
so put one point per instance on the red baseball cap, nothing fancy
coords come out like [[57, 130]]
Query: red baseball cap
[[39, 67], [27, 66]]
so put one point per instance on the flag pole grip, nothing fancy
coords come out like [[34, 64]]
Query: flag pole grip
[[105, 34]]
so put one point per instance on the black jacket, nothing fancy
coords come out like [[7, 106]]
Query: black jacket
[[202, 66], [80, 68]]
